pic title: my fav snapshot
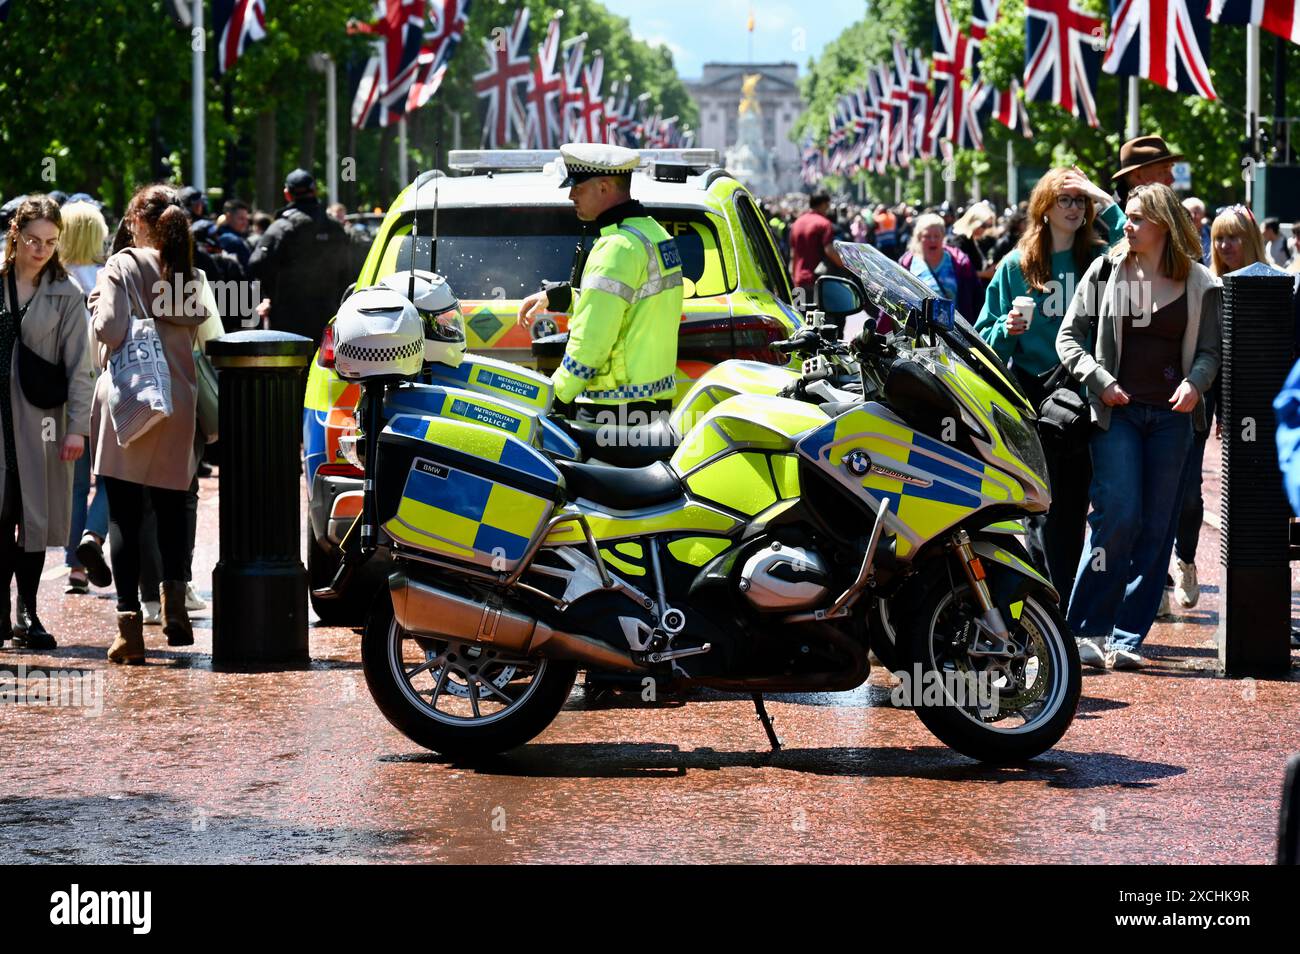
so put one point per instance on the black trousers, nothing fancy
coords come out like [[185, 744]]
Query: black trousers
[[126, 524], [151, 567], [1055, 539], [13, 561]]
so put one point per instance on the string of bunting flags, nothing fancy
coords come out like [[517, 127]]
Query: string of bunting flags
[[912, 108], [539, 99]]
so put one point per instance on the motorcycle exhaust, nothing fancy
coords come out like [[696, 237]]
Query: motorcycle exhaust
[[425, 610]]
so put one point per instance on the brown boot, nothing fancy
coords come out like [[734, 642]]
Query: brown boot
[[129, 646], [175, 618]]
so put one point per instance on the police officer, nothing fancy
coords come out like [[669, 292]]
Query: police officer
[[626, 308], [303, 261]]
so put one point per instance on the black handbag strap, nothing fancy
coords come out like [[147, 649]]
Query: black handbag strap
[[1059, 374]]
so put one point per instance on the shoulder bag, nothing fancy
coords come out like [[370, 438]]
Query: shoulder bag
[[140, 391], [44, 383], [1064, 413]]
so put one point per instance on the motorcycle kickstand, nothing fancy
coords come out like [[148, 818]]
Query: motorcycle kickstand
[[764, 718]]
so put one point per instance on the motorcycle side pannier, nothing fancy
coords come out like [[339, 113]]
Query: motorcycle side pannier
[[463, 491]]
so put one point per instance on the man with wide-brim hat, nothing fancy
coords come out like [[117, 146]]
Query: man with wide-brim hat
[[625, 300], [1143, 160]]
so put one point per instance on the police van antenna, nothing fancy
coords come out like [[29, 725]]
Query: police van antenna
[[415, 236], [433, 252]]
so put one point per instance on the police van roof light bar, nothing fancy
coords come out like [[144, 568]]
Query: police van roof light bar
[[523, 160]]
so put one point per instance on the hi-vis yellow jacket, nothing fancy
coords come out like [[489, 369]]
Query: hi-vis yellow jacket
[[623, 333]]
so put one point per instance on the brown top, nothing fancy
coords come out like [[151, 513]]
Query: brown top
[[1150, 366]]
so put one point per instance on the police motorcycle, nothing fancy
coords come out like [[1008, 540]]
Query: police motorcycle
[[756, 559]]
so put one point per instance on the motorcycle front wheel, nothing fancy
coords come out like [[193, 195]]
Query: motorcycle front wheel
[[996, 709], [461, 699]]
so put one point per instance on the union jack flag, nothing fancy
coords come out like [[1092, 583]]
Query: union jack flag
[[448, 19], [918, 88], [1276, 16], [1010, 111], [385, 84], [591, 108], [571, 94], [952, 59], [545, 91], [1062, 56], [500, 86], [236, 24], [904, 146], [1162, 41]]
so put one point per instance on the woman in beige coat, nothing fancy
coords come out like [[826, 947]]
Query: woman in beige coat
[[39, 444], [158, 273]]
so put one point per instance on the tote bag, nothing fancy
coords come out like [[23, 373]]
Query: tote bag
[[140, 383]]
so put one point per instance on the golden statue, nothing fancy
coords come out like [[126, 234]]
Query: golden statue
[[748, 99]]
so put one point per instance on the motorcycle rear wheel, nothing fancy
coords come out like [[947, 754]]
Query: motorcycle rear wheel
[[464, 700], [1040, 705]]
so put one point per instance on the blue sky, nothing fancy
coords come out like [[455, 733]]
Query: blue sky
[[700, 31]]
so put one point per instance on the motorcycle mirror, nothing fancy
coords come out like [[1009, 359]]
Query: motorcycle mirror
[[837, 297]]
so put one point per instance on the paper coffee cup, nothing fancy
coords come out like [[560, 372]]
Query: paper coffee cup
[[1025, 305]]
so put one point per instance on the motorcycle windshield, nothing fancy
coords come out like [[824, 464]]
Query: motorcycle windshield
[[894, 292]]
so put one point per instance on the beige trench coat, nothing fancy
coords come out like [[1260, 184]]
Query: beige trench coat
[[55, 328], [164, 456]]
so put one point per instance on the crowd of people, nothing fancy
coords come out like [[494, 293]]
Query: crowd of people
[[74, 283], [1045, 285]]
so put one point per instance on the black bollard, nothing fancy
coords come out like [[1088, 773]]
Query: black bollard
[[259, 587], [1254, 542]]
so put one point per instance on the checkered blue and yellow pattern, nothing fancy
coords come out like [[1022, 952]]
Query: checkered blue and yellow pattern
[[449, 510]]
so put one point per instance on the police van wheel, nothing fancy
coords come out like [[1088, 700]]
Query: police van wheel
[[349, 609], [461, 699]]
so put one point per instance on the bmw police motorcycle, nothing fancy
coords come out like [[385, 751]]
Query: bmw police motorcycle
[[793, 522]]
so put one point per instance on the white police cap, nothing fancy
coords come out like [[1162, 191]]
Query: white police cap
[[586, 160]]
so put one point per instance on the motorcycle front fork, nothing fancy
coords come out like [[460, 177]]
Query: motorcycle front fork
[[991, 624]]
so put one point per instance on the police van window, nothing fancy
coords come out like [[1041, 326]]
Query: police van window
[[499, 253], [760, 240], [703, 264]]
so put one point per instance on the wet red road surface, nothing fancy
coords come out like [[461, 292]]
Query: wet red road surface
[[1170, 764]]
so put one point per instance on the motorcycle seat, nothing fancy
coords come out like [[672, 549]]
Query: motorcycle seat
[[622, 488], [625, 446]]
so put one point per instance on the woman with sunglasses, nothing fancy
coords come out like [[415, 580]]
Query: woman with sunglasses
[[1154, 353], [1058, 245], [44, 311]]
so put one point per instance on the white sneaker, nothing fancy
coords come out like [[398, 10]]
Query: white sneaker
[[1166, 611], [152, 612], [1091, 653], [1186, 588], [1125, 659], [193, 602]]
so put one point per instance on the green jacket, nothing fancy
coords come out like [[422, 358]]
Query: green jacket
[[1034, 351], [623, 331]]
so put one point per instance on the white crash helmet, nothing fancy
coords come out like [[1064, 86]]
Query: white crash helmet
[[444, 324], [378, 334]]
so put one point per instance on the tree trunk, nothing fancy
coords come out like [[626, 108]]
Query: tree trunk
[[311, 111], [269, 177]]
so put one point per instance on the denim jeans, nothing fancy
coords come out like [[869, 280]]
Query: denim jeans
[[1138, 470], [93, 517]]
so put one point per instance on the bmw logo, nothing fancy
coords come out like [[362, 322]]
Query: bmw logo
[[544, 327], [858, 463]]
